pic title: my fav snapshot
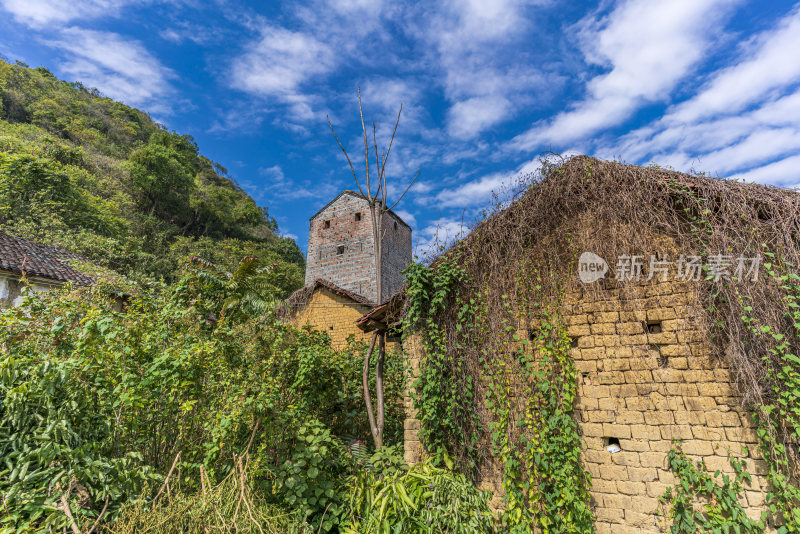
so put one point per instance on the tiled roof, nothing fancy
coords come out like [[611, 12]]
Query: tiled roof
[[37, 259], [302, 296]]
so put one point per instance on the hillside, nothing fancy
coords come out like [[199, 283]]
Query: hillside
[[102, 179]]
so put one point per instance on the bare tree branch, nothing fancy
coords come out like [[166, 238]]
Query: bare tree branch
[[345, 154], [379, 385], [366, 144], [407, 188]]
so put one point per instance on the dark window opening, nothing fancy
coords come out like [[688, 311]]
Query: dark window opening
[[573, 342], [612, 444], [326, 224], [395, 225], [331, 327], [531, 335], [585, 376], [358, 216], [340, 250], [653, 327]]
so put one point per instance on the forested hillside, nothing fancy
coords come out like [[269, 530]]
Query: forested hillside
[[102, 179]]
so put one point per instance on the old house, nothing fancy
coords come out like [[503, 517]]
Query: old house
[[341, 268], [629, 284], [44, 266]]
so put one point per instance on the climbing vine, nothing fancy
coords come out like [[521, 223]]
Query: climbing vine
[[444, 392], [529, 381], [721, 510]]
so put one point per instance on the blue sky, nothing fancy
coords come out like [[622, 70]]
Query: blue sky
[[487, 87]]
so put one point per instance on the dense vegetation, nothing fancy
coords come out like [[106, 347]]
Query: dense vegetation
[[194, 406], [105, 181]]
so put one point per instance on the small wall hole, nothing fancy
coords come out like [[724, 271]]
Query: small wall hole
[[340, 250], [395, 225], [358, 216], [326, 224], [652, 327], [573, 342], [612, 444]]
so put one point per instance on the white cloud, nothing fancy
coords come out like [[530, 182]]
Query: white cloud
[[475, 193], [120, 68], [407, 216], [279, 186], [39, 13], [767, 64], [468, 118], [280, 63], [782, 173], [648, 48], [746, 116]]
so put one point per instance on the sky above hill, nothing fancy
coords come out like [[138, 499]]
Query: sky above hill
[[487, 88]]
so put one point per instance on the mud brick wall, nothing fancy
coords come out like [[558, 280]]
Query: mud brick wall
[[334, 314], [646, 377], [341, 248]]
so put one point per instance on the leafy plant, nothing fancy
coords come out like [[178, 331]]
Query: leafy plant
[[393, 497], [698, 503]]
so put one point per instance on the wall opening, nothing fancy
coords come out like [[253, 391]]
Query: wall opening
[[340, 250], [358, 216], [395, 225], [326, 224], [612, 444], [652, 327]]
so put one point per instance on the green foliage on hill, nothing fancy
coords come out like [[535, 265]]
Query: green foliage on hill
[[103, 180]]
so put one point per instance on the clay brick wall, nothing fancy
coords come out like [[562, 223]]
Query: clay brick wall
[[341, 248], [647, 377], [334, 314]]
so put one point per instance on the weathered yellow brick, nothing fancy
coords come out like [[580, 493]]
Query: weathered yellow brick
[[645, 432], [642, 474], [708, 434], [616, 431], [604, 317], [601, 416], [638, 377], [637, 445], [700, 403], [676, 432], [626, 458], [683, 417], [630, 328], [626, 487], [646, 505], [624, 391], [740, 434], [659, 418], [628, 417], [603, 329], [653, 459], [594, 391], [697, 447], [611, 515], [592, 429], [616, 500], [612, 472], [656, 489], [592, 354]]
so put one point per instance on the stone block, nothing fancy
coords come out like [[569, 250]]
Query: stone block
[[626, 487], [676, 432], [616, 431], [653, 459]]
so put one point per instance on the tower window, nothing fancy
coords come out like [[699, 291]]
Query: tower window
[[358, 216], [326, 224], [340, 250], [395, 225]]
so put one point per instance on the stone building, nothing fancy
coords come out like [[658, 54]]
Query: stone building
[[341, 247], [45, 267], [340, 268], [649, 371]]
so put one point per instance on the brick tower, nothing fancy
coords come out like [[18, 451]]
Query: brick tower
[[341, 247]]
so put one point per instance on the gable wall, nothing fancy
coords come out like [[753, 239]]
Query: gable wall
[[334, 314]]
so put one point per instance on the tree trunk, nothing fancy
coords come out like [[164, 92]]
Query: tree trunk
[[379, 387], [373, 427]]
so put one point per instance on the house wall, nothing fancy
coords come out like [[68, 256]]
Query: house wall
[[334, 314], [354, 268], [11, 291], [645, 388]]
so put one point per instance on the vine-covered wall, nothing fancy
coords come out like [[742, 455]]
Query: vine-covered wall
[[656, 402]]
